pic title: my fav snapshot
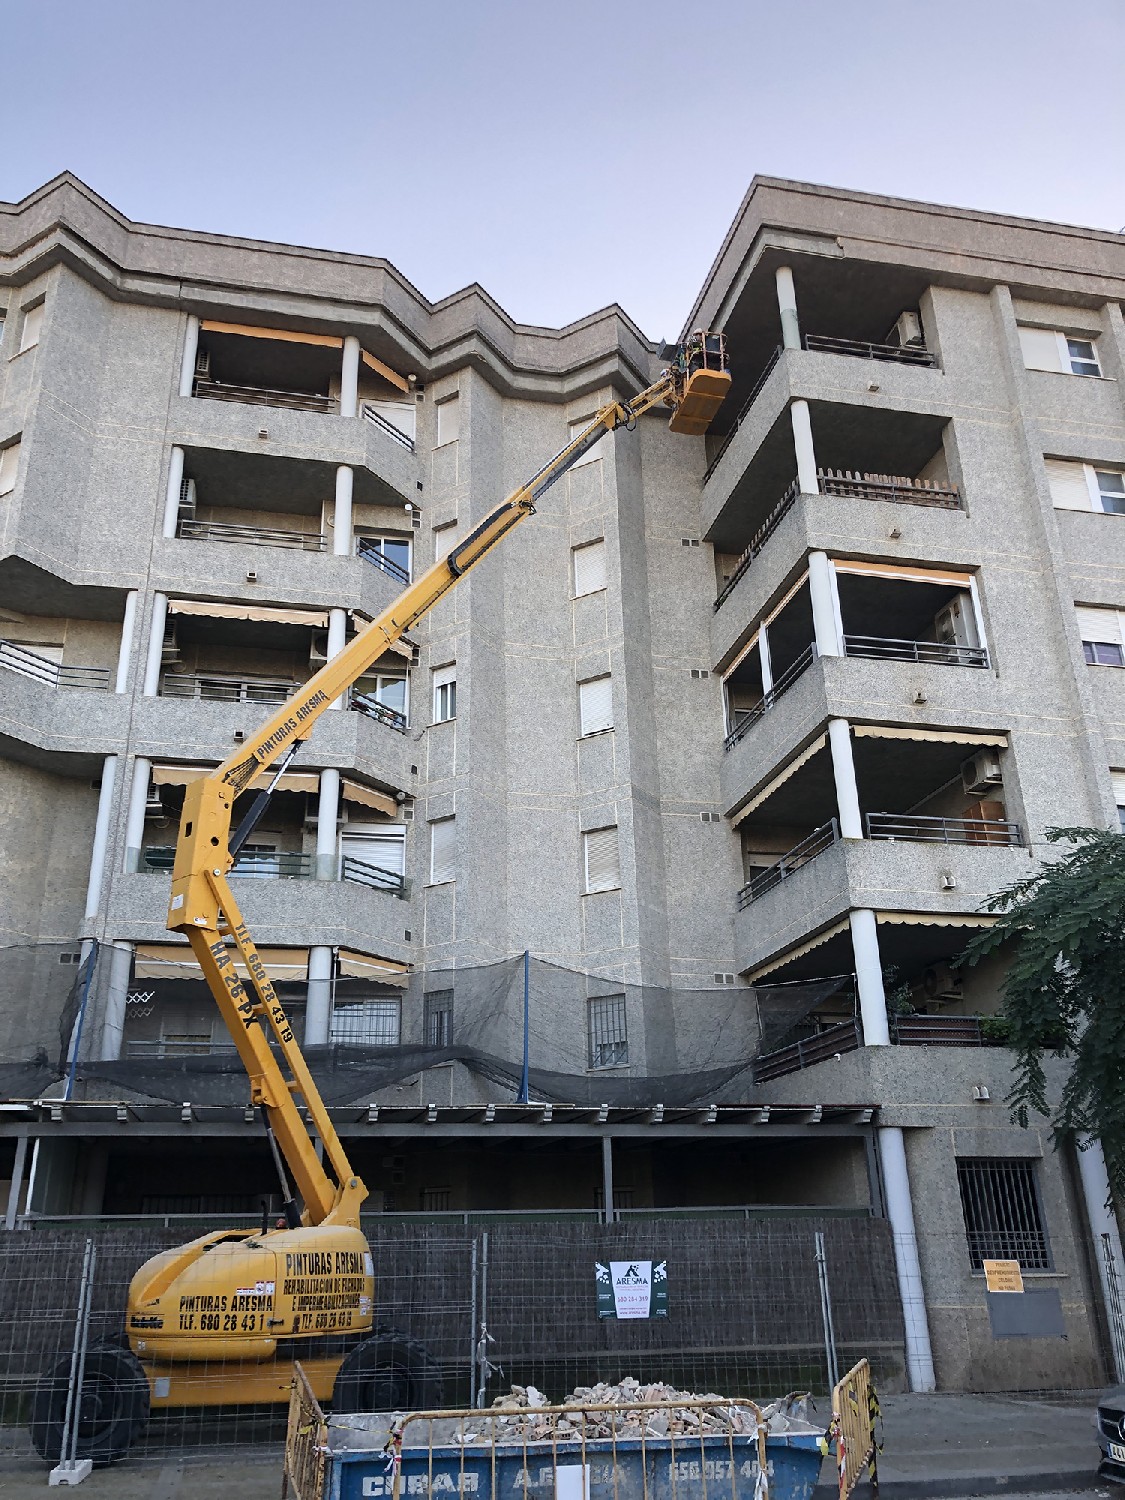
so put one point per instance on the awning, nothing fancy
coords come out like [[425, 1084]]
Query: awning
[[741, 657], [799, 951], [279, 616], [933, 736], [284, 335], [176, 961], [367, 796], [782, 776], [366, 966], [785, 598], [932, 919], [913, 575], [292, 781], [384, 370]]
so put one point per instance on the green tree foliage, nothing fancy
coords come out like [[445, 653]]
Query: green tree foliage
[[1064, 930]]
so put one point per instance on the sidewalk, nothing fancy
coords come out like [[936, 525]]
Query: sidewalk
[[983, 1445]]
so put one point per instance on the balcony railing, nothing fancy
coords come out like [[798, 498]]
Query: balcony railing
[[820, 839], [258, 536], [359, 872], [826, 1044], [895, 487], [367, 704], [280, 865], [28, 663], [781, 686], [941, 1031], [913, 829], [899, 354], [755, 392], [377, 419], [759, 540], [932, 653], [372, 554], [228, 689], [256, 395]]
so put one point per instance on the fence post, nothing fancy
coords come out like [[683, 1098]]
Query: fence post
[[69, 1469], [826, 1311]]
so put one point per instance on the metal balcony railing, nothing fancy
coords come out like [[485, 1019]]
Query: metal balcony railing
[[369, 705], [898, 354], [256, 395], [377, 419], [933, 653], [258, 536], [940, 1031], [895, 487], [359, 872], [28, 663], [914, 829], [759, 540], [755, 392], [227, 689], [372, 554], [280, 865], [820, 839], [749, 717], [830, 1042]]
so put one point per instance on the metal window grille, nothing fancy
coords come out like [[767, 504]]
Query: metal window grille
[[438, 1018], [371, 1023], [436, 1200], [609, 1044], [1003, 1219]]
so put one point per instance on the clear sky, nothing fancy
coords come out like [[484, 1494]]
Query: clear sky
[[565, 156]]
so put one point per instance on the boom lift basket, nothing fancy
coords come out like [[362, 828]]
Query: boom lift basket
[[703, 362]]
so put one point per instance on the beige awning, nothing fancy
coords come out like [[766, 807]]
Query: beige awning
[[292, 781], [895, 570], [933, 919], [176, 961], [785, 598], [799, 951], [278, 616], [284, 335], [782, 776], [366, 966], [934, 736], [384, 370], [367, 796], [741, 657]]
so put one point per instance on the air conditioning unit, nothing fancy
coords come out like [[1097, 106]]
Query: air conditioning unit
[[187, 499], [318, 649], [982, 771], [907, 331], [170, 649], [940, 982], [203, 363], [951, 627], [154, 808]]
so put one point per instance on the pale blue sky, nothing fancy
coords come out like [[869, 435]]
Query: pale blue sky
[[565, 156]]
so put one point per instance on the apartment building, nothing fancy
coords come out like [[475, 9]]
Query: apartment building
[[737, 727]]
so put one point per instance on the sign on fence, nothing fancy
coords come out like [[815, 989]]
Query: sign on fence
[[632, 1288]]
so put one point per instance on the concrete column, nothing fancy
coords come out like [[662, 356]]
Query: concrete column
[[787, 303], [342, 513], [843, 773], [15, 1188], [900, 1212], [155, 651], [172, 493], [135, 821], [767, 660], [125, 650], [349, 378], [803, 447], [318, 1010], [869, 978], [607, 1177], [1095, 1192], [337, 639], [116, 999], [327, 811], [825, 606], [191, 348], [101, 837]]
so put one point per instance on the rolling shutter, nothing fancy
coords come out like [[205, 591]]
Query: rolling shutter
[[603, 859], [1099, 624], [589, 568], [1040, 349], [1118, 779], [443, 851], [1069, 490], [595, 705]]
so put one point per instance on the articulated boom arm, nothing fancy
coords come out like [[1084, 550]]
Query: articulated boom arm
[[202, 905]]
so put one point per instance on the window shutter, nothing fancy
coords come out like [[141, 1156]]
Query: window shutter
[[595, 704], [575, 429], [589, 568], [603, 859], [444, 538], [400, 414], [449, 421], [9, 468], [443, 851], [1118, 779], [1069, 490], [32, 325], [1099, 625], [1040, 349]]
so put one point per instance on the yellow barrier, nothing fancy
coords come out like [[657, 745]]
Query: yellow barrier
[[306, 1440], [855, 1407]]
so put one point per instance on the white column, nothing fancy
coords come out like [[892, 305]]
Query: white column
[[172, 493], [191, 348], [869, 978], [1095, 1191], [787, 303], [155, 645], [349, 378], [766, 659], [116, 999], [825, 605], [803, 447], [125, 650], [135, 821], [101, 837], [327, 811], [319, 1006], [337, 638], [843, 773], [342, 513], [900, 1212], [978, 614]]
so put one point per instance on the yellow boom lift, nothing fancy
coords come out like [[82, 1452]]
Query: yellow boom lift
[[218, 1321]]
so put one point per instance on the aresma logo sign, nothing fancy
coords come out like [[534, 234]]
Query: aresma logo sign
[[632, 1288]]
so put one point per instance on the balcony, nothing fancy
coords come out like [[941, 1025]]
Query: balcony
[[211, 687], [258, 536], [897, 354], [745, 719], [929, 830], [292, 865], [28, 663], [906, 1031], [820, 839], [933, 653], [371, 708], [255, 395], [371, 413]]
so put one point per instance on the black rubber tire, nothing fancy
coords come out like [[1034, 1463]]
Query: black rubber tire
[[388, 1372], [113, 1408]]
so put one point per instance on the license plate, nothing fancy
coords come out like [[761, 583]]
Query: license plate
[[1117, 1452]]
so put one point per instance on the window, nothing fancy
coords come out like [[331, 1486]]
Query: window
[[1110, 487], [595, 705], [367, 1023], [448, 420], [444, 539], [1103, 639], [1002, 1217], [436, 1200], [390, 553], [32, 325], [609, 1043], [1047, 349], [1118, 779], [1078, 486], [437, 1018], [445, 693], [443, 851], [576, 427], [602, 860], [400, 414], [9, 467], [589, 568], [379, 845], [389, 690]]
